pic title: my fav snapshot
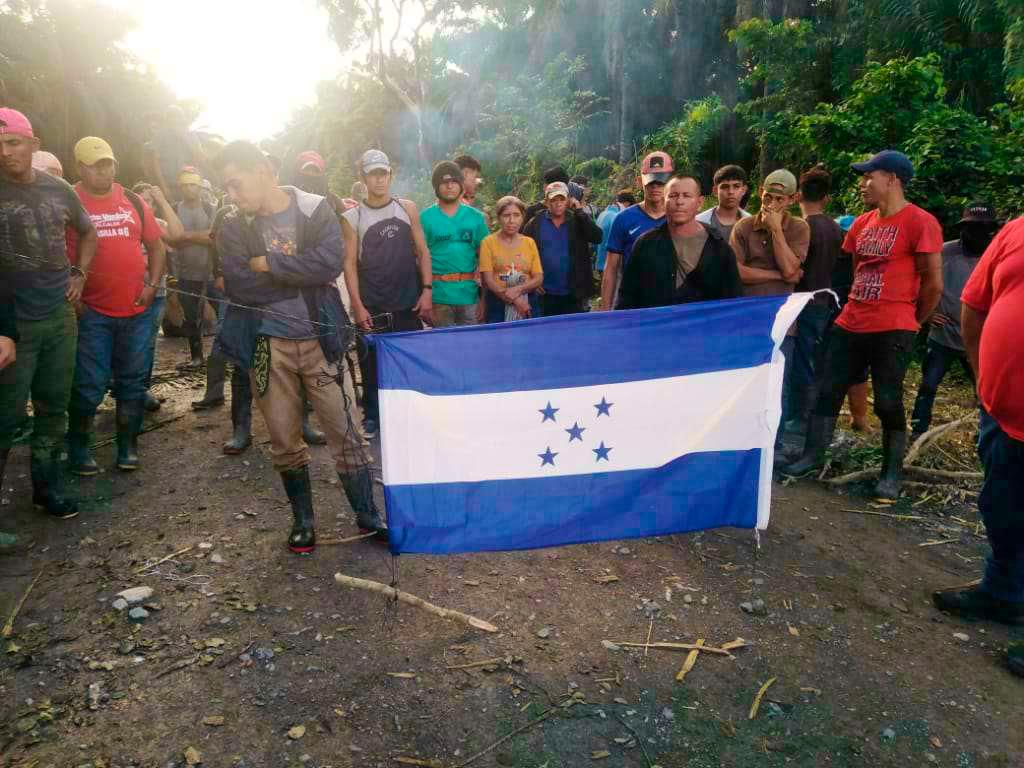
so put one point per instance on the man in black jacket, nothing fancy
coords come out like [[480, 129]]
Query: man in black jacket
[[563, 234], [682, 260]]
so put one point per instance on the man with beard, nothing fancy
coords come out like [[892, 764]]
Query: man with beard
[[897, 284]]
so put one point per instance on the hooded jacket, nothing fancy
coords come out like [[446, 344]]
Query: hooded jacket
[[310, 273]]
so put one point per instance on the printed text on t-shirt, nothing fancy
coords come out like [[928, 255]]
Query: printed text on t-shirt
[[874, 246]]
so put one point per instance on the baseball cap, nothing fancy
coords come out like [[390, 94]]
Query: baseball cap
[[888, 160], [373, 160], [445, 171], [12, 121], [189, 175], [978, 212], [42, 160], [657, 166], [310, 158], [781, 182], [91, 150], [556, 188]]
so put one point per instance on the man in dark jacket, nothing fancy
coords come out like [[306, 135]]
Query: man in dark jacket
[[563, 234], [682, 260], [281, 252]]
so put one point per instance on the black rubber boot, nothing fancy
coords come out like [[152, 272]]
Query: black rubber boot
[[894, 446], [8, 541], [48, 486], [216, 368], [80, 460], [302, 539], [195, 350], [358, 487], [820, 430], [150, 403], [241, 416], [129, 424]]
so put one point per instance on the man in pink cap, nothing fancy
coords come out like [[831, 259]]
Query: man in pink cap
[[655, 171], [36, 278]]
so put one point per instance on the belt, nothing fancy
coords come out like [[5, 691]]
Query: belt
[[455, 277]]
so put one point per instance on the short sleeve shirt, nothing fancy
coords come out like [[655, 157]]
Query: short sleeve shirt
[[500, 258], [118, 271], [996, 288], [454, 242], [34, 222], [752, 242], [192, 261], [627, 228], [825, 247], [885, 280]]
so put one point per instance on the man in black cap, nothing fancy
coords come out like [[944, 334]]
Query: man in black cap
[[897, 283], [945, 345]]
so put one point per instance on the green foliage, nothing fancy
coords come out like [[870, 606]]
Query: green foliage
[[690, 138]]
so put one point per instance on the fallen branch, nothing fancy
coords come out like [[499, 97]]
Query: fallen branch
[[933, 434], [482, 663], [164, 559], [405, 597], [884, 514], [225, 662], [177, 667], [958, 587], [347, 540], [936, 543], [418, 761], [506, 737], [148, 428], [677, 647], [691, 659], [757, 699], [8, 629], [945, 473]]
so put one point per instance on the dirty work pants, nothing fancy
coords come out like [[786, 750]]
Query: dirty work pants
[[402, 320], [1001, 504], [810, 338], [937, 362], [296, 364], [43, 371], [847, 355], [446, 315], [111, 347]]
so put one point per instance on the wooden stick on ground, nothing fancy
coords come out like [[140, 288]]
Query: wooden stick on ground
[[481, 663], [8, 629], [405, 597], [676, 647], [934, 433], [506, 737], [958, 587], [650, 631], [164, 559], [691, 659], [757, 699], [884, 514], [148, 428], [348, 539]]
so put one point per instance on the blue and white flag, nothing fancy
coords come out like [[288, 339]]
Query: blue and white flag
[[589, 427]]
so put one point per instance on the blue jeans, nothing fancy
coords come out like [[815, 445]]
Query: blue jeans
[[788, 347], [1001, 504], [807, 355], [157, 317], [938, 360], [110, 347]]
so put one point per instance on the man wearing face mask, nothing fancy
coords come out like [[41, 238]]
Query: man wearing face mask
[[978, 226]]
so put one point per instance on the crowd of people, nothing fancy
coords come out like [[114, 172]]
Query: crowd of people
[[298, 276]]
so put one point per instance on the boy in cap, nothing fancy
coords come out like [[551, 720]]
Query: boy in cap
[[453, 232], [897, 283], [770, 251], [115, 320], [655, 171], [38, 284], [977, 226]]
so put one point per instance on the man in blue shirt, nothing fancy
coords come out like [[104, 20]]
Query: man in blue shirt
[[655, 171], [563, 234], [622, 201]]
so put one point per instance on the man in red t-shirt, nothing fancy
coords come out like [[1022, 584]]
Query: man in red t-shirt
[[992, 307], [114, 313], [897, 282]]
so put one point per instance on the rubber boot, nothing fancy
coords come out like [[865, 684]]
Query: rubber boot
[[894, 446], [310, 434], [241, 417], [216, 369], [8, 541], [150, 403], [195, 350], [129, 424], [48, 485], [858, 395], [302, 539], [80, 460], [820, 430], [358, 487]]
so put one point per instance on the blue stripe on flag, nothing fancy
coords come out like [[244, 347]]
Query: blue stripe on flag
[[581, 350], [694, 492]]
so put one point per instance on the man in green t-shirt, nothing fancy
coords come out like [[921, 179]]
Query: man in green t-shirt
[[454, 232]]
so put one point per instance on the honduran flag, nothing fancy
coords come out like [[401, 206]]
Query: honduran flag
[[581, 428]]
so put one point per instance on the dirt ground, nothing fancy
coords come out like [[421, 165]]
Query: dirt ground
[[251, 656]]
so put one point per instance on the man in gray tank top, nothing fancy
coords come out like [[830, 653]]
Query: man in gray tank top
[[387, 269]]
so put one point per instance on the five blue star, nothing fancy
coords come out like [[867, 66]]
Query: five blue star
[[601, 451], [547, 457], [549, 413], [576, 432], [604, 407]]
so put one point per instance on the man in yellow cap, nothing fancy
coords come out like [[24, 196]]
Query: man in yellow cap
[[39, 286], [114, 313]]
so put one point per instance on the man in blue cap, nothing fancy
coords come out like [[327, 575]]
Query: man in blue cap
[[897, 282]]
